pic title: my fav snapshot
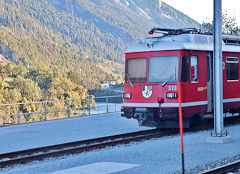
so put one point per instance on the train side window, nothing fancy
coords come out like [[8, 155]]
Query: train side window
[[194, 68], [185, 69], [232, 68]]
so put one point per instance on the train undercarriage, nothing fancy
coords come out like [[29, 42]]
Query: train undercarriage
[[156, 117], [169, 117]]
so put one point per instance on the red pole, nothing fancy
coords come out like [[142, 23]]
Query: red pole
[[181, 123]]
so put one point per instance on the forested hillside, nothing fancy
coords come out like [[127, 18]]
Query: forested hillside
[[95, 30], [83, 41]]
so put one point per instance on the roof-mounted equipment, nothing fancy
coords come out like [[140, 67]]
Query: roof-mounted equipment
[[231, 39], [166, 31]]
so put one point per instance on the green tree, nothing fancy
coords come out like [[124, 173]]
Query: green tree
[[19, 71], [229, 25]]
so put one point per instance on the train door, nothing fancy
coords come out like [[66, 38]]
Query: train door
[[210, 81]]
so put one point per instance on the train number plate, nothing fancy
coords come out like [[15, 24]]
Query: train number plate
[[172, 87]]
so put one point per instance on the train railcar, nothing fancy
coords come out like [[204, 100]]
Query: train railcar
[[155, 66]]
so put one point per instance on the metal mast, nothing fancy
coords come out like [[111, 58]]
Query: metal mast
[[218, 84]]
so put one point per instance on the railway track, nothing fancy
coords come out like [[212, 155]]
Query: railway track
[[26, 156], [41, 153], [228, 168]]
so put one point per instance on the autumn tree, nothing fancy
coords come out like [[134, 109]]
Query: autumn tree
[[28, 88]]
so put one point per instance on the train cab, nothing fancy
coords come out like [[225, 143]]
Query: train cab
[[157, 66]]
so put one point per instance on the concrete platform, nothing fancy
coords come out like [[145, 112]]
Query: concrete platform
[[98, 168], [217, 139], [33, 135]]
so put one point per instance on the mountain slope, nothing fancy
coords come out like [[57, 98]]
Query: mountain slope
[[159, 13], [63, 34]]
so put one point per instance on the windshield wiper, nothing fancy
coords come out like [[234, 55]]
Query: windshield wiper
[[128, 79], [164, 83]]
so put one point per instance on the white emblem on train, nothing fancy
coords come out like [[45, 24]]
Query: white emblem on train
[[147, 91]]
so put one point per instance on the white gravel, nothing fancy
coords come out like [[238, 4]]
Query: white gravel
[[154, 156]]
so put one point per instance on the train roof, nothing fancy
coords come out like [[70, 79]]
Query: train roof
[[185, 41]]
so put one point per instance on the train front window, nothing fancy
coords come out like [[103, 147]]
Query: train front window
[[163, 68], [136, 70]]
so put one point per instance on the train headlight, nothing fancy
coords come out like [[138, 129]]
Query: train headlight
[[171, 95], [127, 95]]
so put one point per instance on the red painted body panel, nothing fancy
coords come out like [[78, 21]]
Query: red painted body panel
[[189, 89], [158, 91], [230, 87], [192, 91]]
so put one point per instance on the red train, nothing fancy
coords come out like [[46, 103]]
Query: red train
[[157, 65]]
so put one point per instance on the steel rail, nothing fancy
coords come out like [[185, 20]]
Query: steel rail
[[232, 167]]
